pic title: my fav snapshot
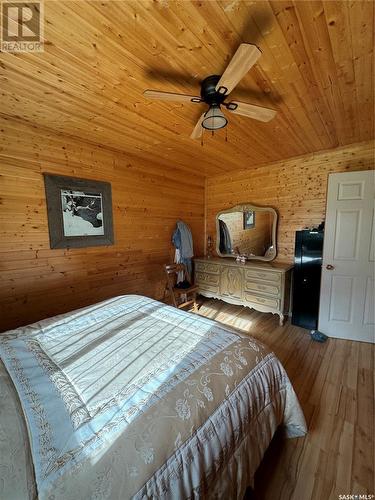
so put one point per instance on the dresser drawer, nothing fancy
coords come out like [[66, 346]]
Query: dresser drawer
[[207, 267], [206, 279], [266, 301], [263, 288], [263, 275], [203, 287]]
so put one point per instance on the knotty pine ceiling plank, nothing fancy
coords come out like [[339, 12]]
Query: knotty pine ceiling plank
[[101, 55]]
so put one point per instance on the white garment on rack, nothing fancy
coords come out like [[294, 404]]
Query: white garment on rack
[[178, 260]]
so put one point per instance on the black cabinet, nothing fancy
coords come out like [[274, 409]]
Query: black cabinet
[[306, 278]]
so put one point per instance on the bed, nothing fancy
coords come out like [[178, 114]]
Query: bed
[[130, 398]]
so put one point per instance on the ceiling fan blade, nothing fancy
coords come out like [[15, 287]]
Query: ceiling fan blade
[[170, 96], [251, 111], [198, 129], [245, 57]]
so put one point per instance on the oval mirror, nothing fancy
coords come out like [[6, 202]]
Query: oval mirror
[[247, 230]]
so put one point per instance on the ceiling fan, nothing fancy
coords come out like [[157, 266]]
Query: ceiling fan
[[215, 89]]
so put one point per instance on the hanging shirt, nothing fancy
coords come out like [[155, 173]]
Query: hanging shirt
[[182, 239]]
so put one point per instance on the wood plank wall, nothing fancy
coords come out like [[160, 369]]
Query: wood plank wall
[[37, 282], [296, 188]]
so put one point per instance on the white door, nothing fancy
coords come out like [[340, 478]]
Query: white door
[[347, 290]]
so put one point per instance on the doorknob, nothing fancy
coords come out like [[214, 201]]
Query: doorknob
[[329, 267]]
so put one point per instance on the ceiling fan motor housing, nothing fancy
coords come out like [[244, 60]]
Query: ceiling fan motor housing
[[209, 93]]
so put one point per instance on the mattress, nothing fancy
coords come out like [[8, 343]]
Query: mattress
[[130, 398]]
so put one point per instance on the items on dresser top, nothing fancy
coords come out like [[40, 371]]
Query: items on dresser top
[[262, 286]]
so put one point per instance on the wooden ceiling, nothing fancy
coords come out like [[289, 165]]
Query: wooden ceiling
[[316, 70]]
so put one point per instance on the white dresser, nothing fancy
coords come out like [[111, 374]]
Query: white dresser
[[264, 286]]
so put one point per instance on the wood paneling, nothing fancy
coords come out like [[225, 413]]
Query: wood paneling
[[316, 70], [335, 386], [148, 198], [77, 108], [296, 188]]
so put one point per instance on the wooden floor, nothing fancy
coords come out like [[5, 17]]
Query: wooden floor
[[335, 385]]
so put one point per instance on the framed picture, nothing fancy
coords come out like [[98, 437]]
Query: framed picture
[[249, 219], [79, 212]]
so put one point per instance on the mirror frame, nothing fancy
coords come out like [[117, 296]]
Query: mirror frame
[[244, 207]]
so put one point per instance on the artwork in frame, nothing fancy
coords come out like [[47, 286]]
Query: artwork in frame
[[79, 212], [249, 219]]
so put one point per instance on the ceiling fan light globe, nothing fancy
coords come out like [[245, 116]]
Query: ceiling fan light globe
[[214, 119]]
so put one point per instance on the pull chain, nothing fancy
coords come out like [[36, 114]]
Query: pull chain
[[226, 134]]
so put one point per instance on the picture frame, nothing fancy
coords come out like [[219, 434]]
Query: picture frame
[[249, 219], [79, 212]]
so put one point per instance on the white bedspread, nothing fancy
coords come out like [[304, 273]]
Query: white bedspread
[[130, 398]]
